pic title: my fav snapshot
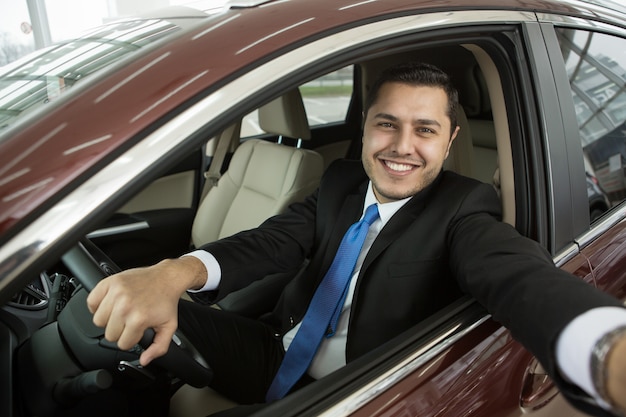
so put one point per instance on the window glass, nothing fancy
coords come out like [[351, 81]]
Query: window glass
[[326, 100], [44, 75], [596, 67]]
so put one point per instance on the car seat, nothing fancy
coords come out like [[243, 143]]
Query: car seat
[[263, 178]]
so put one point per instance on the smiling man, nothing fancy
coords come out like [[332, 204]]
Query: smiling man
[[408, 133], [426, 237]]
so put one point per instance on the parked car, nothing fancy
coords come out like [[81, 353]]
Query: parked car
[[598, 200], [112, 172]]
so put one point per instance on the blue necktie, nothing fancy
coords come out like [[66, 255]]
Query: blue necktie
[[323, 313]]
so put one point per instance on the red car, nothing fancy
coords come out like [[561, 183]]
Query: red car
[[105, 141]]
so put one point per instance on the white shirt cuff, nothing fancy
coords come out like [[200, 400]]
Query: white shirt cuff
[[577, 341], [214, 272]]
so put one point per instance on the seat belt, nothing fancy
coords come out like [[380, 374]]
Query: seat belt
[[213, 174]]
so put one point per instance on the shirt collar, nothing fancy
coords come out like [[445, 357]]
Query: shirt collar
[[385, 210]]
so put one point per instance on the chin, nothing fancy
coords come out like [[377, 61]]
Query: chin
[[393, 192]]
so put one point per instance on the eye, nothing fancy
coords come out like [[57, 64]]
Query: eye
[[426, 130], [386, 125]]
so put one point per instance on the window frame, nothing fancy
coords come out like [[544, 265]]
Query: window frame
[[583, 233]]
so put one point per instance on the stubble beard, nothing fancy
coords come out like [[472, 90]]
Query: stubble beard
[[396, 190]]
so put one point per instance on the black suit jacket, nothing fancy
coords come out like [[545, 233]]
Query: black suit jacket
[[448, 239]]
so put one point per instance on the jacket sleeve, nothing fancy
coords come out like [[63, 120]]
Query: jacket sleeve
[[280, 244], [515, 279]]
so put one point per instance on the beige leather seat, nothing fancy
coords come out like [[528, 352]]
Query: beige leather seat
[[474, 96], [263, 178], [333, 151], [474, 155], [484, 148]]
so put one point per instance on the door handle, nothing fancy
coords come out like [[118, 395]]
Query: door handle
[[537, 387]]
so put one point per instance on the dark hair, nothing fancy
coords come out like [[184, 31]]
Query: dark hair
[[417, 74]]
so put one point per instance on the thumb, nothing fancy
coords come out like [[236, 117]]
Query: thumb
[[159, 346]]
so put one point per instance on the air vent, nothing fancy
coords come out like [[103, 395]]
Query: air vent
[[33, 297]]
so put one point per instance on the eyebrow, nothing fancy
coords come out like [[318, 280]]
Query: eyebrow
[[391, 117]]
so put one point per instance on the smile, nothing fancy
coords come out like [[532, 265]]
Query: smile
[[394, 166]]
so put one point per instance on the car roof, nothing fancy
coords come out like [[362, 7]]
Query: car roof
[[75, 133]]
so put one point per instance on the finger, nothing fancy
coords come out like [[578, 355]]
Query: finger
[[114, 331], [96, 296], [158, 348], [130, 333], [104, 306], [115, 315]]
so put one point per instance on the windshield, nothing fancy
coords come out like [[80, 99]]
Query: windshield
[[44, 75]]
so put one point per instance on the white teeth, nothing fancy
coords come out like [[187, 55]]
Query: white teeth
[[398, 167]]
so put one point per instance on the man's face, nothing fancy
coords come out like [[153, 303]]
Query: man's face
[[406, 138]]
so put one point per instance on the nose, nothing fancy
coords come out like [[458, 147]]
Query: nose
[[404, 141]]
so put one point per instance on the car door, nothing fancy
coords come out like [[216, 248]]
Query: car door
[[451, 367], [562, 218]]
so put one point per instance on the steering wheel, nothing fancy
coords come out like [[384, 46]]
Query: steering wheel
[[90, 264]]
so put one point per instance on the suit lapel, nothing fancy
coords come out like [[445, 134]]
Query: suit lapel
[[399, 223], [396, 226]]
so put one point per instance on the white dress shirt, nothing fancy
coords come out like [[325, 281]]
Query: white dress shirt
[[331, 354]]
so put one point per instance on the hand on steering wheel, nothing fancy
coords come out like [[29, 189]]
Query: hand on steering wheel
[[174, 353]]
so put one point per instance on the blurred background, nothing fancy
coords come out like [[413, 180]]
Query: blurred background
[[27, 25]]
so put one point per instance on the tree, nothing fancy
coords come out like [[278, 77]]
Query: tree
[[11, 50]]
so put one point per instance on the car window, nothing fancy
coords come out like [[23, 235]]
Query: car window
[[44, 75], [596, 68], [326, 100]]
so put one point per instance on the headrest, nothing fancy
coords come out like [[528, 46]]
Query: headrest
[[285, 116], [464, 72], [473, 93]]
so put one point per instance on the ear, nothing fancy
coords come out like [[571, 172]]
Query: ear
[[452, 137], [363, 116]]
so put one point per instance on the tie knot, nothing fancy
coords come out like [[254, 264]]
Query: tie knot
[[371, 214]]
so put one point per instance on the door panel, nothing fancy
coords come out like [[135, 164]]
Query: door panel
[[156, 223], [172, 191]]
